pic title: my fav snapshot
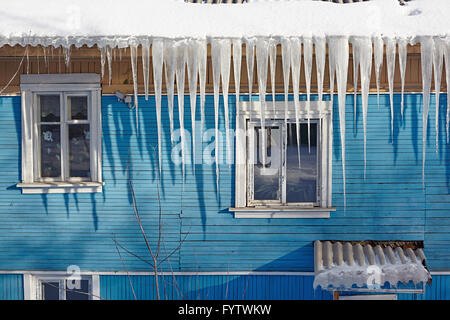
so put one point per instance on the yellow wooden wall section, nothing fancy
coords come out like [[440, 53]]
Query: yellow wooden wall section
[[87, 60]]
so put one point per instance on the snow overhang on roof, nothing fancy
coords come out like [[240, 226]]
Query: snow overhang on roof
[[340, 265], [123, 23]]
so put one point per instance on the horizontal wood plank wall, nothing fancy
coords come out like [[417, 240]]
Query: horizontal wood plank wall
[[88, 60]]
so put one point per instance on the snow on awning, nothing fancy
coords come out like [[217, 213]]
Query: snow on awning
[[339, 265]]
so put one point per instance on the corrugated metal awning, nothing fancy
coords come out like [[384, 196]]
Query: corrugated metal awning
[[342, 265]]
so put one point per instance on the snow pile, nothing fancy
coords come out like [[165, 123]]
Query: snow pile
[[371, 276]]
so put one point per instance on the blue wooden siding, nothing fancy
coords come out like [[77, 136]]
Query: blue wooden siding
[[11, 287], [243, 287], [51, 232]]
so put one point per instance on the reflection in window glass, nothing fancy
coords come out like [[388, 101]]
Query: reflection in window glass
[[50, 108], [79, 150], [77, 108], [301, 182], [50, 151], [78, 294], [267, 177], [50, 290]]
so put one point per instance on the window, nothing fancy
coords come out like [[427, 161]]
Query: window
[[60, 287], [284, 180], [61, 133]]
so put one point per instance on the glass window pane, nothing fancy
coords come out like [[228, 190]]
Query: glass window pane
[[301, 182], [50, 151], [79, 151], [50, 290], [50, 108], [266, 177], [77, 108], [78, 294]]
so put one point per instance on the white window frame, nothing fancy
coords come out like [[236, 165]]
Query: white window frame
[[33, 284], [321, 112], [65, 85]]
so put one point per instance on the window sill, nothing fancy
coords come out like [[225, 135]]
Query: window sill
[[60, 187], [282, 212]]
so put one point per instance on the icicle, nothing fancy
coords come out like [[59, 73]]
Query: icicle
[[308, 54], [202, 59], [402, 56], [262, 56], [364, 51], [356, 63], [237, 59], [438, 59], [225, 61], [320, 45], [102, 60], [133, 56], [286, 59], [378, 57], [332, 71], [157, 57], [296, 59], [192, 67], [180, 75], [215, 60], [45, 56], [67, 56], [273, 66], [390, 58], [145, 66], [170, 65], [109, 58], [447, 74], [338, 48], [426, 57], [250, 57]]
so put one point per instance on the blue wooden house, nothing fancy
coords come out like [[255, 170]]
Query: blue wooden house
[[121, 180]]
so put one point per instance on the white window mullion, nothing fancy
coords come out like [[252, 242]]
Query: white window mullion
[[63, 141], [283, 144]]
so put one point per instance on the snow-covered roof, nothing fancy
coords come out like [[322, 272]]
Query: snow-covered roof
[[340, 265], [117, 22]]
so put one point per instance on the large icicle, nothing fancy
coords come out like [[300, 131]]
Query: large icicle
[[102, 61], [296, 59], [356, 63], [332, 71], [338, 48], [133, 55], [215, 61], [286, 61], [447, 74], [402, 56], [320, 45], [262, 56], [390, 59], [378, 47], [109, 58], [364, 51], [273, 66], [170, 65], [180, 72], [426, 57], [192, 67], [438, 59], [146, 66], [157, 57], [308, 55], [202, 59], [237, 59], [225, 62], [250, 58]]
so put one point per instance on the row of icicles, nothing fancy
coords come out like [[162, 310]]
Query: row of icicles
[[191, 55]]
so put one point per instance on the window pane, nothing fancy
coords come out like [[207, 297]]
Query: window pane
[[301, 183], [50, 151], [78, 294], [79, 150], [50, 290], [50, 108], [77, 108], [266, 177]]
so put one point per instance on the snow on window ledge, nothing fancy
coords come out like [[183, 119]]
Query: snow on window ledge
[[60, 187], [282, 212]]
